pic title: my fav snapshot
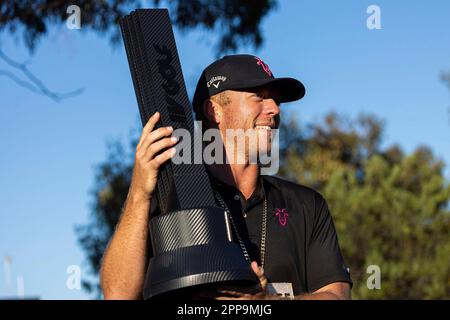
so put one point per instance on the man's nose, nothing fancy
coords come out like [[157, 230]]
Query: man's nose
[[271, 107]]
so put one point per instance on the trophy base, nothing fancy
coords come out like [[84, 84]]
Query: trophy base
[[183, 272], [192, 247]]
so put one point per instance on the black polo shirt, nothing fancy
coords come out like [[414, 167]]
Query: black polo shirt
[[301, 242]]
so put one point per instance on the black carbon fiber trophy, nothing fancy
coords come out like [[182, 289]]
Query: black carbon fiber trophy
[[190, 239]]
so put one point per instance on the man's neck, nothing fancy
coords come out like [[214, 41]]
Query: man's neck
[[242, 176]]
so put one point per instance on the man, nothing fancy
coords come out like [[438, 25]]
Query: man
[[284, 229]]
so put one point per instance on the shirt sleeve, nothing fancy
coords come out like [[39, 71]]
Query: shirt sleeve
[[324, 262]]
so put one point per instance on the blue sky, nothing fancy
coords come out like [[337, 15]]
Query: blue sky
[[49, 150]]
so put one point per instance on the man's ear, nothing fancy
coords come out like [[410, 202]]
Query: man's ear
[[211, 110]]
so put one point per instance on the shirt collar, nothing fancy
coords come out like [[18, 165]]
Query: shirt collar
[[227, 190]]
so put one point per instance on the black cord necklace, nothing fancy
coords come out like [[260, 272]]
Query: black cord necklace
[[241, 242]]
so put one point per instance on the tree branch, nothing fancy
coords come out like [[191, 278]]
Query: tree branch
[[445, 77], [33, 84]]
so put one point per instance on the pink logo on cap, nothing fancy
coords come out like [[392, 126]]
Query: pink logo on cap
[[264, 66]]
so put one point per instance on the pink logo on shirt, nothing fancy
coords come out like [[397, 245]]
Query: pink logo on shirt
[[264, 66], [282, 216]]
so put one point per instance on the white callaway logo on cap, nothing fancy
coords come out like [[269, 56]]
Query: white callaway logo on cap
[[214, 79]]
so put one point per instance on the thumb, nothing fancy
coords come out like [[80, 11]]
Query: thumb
[[260, 274]]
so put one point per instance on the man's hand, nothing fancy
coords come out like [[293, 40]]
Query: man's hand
[[257, 292], [333, 291], [148, 158], [125, 260]]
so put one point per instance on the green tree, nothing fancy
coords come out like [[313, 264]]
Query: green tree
[[113, 179], [390, 209], [235, 22]]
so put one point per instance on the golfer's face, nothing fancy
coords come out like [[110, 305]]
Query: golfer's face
[[257, 112]]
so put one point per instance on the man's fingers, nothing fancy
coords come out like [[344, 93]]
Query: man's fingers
[[154, 136], [230, 298], [163, 157], [158, 146], [238, 296], [231, 293], [239, 290], [149, 127], [257, 269], [260, 274]]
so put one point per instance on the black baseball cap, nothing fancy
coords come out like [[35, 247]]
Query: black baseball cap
[[243, 71]]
